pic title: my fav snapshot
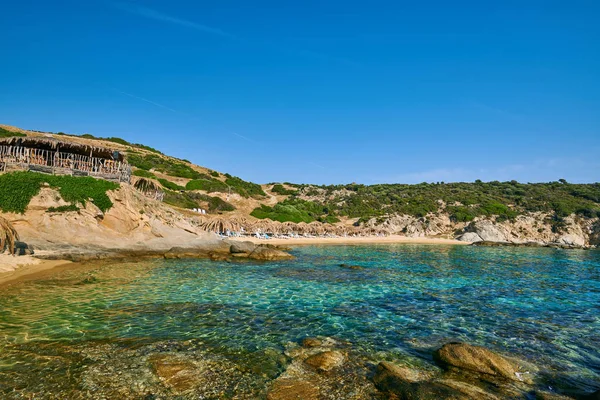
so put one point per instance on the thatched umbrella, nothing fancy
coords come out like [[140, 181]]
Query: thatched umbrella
[[8, 236], [289, 227], [277, 227], [221, 224], [316, 228], [145, 185], [303, 227], [267, 226], [243, 222]]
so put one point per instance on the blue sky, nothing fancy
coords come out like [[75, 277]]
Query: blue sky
[[318, 91]]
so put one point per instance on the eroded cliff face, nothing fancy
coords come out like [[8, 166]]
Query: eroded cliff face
[[536, 227], [133, 222]]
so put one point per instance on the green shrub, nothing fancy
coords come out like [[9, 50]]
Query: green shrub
[[162, 164], [295, 210], [67, 208], [143, 173], [245, 189], [181, 200], [170, 185], [4, 133], [207, 185], [280, 189], [216, 204], [17, 189]]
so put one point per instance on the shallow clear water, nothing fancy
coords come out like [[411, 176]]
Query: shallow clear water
[[542, 305]]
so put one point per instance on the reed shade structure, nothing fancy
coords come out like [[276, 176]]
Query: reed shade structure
[[50, 155], [262, 226], [316, 228], [8, 236], [221, 224], [149, 188]]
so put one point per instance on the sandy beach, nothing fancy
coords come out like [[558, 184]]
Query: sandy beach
[[13, 268], [353, 240]]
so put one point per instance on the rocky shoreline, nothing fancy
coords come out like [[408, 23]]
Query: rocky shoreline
[[320, 368], [220, 250]]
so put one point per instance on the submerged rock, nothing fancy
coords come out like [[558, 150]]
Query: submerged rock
[[269, 254], [179, 375], [326, 360], [406, 383], [242, 247], [479, 359], [312, 342], [353, 267], [292, 389]]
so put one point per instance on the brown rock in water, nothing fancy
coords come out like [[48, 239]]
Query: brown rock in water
[[396, 379], [268, 254], [292, 389], [311, 342], [177, 374], [471, 391], [242, 247], [326, 360], [406, 383], [479, 359], [353, 267]]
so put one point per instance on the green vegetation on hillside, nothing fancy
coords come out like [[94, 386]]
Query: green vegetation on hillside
[[295, 210], [163, 164], [280, 189], [144, 174], [4, 133], [464, 201], [208, 185], [60, 209], [18, 188], [170, 185], [245, 189]]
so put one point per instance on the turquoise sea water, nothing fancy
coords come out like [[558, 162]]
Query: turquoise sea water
[[541, 305]]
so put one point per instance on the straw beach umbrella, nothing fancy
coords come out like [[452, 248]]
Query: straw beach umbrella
[[262, 226], [316, 228], [221, 224], [8, 236]]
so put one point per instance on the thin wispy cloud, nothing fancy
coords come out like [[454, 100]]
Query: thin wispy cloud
[[133, 96], [317, 165], [243, 137], [146, 100], [159, 16], [150, 13]]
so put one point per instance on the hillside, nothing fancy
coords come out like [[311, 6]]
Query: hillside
[[558, 212]]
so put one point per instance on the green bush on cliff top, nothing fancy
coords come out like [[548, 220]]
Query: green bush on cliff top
[[18, 188]]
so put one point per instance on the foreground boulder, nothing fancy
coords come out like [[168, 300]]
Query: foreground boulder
[[470, 237], [269, 254], [479, 359], [405, 383], [242, 247], [293, 389], [326, 360]]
